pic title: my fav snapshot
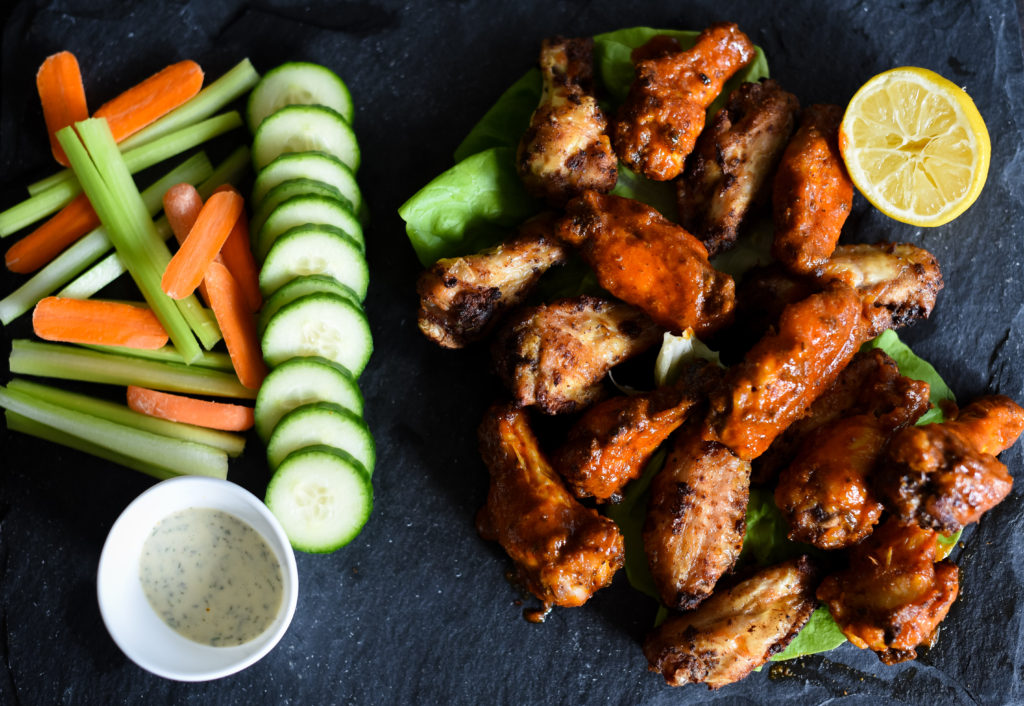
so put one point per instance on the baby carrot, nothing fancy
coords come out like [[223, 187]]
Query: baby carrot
[[213, 225], [52, 237], [59, 82], [189, 410], [182, 204], [236, 324], [238, 257], [96, 322], [158, 95]]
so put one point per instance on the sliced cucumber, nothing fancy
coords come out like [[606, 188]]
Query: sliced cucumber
[[310, 165], [315, 250], [302, 381], [300, 210], [291, 188], [322, 498], [323, 325], [300, 287], [322, 423], [297, 83], [302, 128]]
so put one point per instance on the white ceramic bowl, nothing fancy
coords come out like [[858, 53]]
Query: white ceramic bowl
[[136, 628]]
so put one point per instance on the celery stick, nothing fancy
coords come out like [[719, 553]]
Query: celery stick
[[38, 206], [172, 455], [231, 444], [214, 361], [70, 363], [231, 171]]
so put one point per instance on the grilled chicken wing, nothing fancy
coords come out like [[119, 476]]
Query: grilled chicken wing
[[812, 193], [658, 124], [564, 552], [696, 518], [945, 476], [734, 631], [613, 441], [644, 259], [462, 298], [733, 160], [893, 596], [566, 149], [554, 356]]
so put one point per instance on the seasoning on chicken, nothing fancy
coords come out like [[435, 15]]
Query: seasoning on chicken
[[730, 168], [644, 259], [613, 441], [893, 595], [563, 551], [944, 476], [812, 193], [554, 356], [696, 518], [734, 631], [658, 124], [462, 298], [566, 149]]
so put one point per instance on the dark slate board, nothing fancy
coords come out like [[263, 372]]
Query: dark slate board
[[417, 609]]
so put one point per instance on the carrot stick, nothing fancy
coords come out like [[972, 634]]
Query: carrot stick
[[145, 102], [236, 324], [59, 82], [238, 257], [189, 410], [186, 269], [50, 239], [182, 204], [97, 322]]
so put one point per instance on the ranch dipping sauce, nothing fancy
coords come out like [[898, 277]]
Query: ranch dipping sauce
[[211, 577]]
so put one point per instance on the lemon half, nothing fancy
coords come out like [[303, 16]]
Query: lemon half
[[915, 145]]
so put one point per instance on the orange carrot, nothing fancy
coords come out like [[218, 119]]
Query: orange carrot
[[182, 204], [186, 269], [236, 324], [97, 322], [237, 254], [158, 95], [59, 82], [189, 410], [52, 237]]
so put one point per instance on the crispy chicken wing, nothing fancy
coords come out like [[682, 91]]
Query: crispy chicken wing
[[696, 518], [945, 476], [731, 165], [734, 631], [566, 149], [554, 356], [462, 298], [812, 193], [893, 596], [644, 259], [563, 551], [658, 124]]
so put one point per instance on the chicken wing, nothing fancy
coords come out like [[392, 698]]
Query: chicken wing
[[554, 356], [893, 595], [566, 149], [944, 476], [696, 518], [563, 551], [734, 631], [658, 124], [462, 298], [812, 194], [731, 165], [644, 259]]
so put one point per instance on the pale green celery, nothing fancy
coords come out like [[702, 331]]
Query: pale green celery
[[212, 360], [171, 455], [83, 253], [70, 363], [231, 444], [231, 171], [37, 207]]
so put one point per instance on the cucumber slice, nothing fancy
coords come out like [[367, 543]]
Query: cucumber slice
[[301, 128], [321, 497], [323, 325], [312, 165], [300, 210], [302, 381], [297, 83], [300, 287], [294, 187], [322, 423], [315, 250]]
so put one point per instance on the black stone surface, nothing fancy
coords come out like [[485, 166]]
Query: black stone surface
[[417, 609]]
